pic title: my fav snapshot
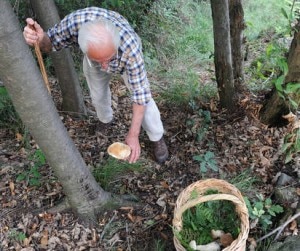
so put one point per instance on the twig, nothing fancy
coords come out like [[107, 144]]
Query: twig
[[127, 238], [107, 225], [279, 229]]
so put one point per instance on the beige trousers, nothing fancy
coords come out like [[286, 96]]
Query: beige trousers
[[98, 83]]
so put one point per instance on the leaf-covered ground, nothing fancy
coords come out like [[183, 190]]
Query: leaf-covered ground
[[238, 140]]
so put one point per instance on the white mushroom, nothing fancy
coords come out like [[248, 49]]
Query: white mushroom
[[193, 244], [213, 246], [216, 233]]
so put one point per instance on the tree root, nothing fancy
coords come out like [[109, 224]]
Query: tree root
[[61, 207], [114, 202]]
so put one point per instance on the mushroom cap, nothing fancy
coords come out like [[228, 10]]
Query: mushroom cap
[[119, 150]]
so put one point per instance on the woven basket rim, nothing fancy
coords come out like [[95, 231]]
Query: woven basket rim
[[231, 193]]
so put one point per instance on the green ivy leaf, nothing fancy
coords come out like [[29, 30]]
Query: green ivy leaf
[[197, 158], [209, 155], [259, 205], [34, 182], [203, 167], [213, 166], [21, 177], [276, 209]]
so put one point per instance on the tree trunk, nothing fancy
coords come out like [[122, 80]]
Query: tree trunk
[[222, 54], [47, 15], [23, 80], [294, 58], [272, 111], [275, 107], [237, 25]]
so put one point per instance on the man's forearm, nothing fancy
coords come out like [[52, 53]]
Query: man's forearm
[[45, 44], [137, 118]]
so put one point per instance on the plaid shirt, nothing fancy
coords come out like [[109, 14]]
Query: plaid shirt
[[129, 58]]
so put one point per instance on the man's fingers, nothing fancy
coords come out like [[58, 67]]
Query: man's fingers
[[37, 27], [30, 35], [29, 21], [32, 31], [134, 156]]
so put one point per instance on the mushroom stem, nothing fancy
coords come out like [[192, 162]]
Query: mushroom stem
[[213, 246]]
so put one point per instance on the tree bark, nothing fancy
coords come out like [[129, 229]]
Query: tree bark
[[22, 78], [222, 54], [294, 58], [275, 107], [47, 15], [237, 25]]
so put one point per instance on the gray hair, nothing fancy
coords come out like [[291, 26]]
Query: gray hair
[[89, 33]]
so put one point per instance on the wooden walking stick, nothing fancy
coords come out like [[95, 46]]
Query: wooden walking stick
[[42, 66], [41, 63]]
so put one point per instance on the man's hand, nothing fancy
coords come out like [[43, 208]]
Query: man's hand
[[132, 138], [134, 144], [33, 32]]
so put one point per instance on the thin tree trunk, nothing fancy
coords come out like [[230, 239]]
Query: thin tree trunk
[[222, 55], [23, 80], [237, 25], [47, 15]]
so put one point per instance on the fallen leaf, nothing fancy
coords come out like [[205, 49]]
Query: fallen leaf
[[44, 239], [265, 162], [12, 203], [26, 241], [134, 219], [298, 191], [164, 184], [291, 117], [19, 137], [253, 244], [161, 201], [12, 188], [130, 217], [293, 225], [126, 208]]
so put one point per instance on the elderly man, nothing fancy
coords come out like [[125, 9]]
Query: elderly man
[[110, 45]]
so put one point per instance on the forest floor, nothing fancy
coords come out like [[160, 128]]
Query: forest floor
[[241, 145]]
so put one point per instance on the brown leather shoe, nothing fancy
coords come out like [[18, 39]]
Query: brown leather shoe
[[160, 150]]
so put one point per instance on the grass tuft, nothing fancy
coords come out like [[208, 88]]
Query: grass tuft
[[112, 169]]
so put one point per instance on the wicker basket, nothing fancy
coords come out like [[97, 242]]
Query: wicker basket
[[226, 192]]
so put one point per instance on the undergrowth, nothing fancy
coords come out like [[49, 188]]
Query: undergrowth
[[9, 118], [182, 68]]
